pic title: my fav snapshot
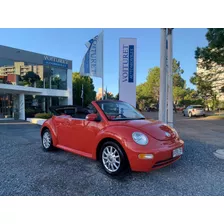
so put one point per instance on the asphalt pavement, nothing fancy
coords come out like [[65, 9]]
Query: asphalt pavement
[[25, 169]]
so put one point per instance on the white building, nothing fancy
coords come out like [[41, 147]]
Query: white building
[[216, 74], [20, 96]]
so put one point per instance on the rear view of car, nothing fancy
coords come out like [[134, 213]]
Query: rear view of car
[[198, 111], [194, 110]]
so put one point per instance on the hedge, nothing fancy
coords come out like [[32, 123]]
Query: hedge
[[43, 115]]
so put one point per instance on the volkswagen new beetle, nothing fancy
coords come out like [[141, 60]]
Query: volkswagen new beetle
[[113, 132]]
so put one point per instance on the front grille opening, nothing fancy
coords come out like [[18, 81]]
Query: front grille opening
[[165, 162]]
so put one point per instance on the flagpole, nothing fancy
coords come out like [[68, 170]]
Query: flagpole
[[103, 68], [82, 96]]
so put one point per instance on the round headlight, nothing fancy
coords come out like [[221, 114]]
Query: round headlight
[[140, 138]]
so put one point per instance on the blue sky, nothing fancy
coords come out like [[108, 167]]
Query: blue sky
[[70, 44]]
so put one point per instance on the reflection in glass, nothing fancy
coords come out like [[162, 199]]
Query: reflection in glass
[[55, 78], [38, 104], [32, 75], [21, 73]]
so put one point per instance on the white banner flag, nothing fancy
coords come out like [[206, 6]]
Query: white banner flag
[[127, 70], [92, 63]]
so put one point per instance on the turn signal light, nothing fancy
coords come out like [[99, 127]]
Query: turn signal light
[[145, 156]]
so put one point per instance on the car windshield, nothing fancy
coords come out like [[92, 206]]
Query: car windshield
[[117, 111]]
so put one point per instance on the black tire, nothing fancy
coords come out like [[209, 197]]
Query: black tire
[[204, 115], [45, 147], [122, 167]]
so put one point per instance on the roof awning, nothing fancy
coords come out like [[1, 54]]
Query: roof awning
[[16, 89]]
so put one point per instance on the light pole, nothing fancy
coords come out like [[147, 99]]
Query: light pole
[[162, 95], [170, 77]]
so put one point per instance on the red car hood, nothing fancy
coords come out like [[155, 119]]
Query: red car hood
[[155, 129]]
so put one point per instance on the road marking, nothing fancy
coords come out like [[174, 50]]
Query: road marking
[[219, 153]]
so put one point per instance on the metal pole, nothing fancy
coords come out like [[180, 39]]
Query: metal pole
[[103, 68], [102, 88], [162, 95], [167, 80], [82, 95], [170, 78]]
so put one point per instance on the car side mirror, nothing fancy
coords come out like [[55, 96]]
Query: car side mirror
[[91, 117]]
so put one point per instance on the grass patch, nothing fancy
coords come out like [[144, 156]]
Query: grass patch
[[216, 117], [43, 115]]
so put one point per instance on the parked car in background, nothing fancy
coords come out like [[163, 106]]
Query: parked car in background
[[194, 110]]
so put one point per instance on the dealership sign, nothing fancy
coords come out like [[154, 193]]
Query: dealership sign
[[58, 62], [127, 70]]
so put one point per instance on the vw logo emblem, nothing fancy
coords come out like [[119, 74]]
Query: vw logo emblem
[[167, 134]]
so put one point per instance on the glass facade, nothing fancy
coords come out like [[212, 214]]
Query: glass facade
[[32, 75], [55, 78], [28, 69], [40, 104], [6, 106], [9, 105]]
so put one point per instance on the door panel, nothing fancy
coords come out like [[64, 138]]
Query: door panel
[[63, 128], [84, 135]]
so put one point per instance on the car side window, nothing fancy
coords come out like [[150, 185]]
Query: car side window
[[81, 113], [92, 109]]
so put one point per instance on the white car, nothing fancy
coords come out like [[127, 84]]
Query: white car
[[194, 110]]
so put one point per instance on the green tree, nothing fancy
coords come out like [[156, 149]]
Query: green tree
[[190, 94], [153, 83], [143, 96], [110, 96], [204, 89], [88, 87], [178, 94], [31, 78], [214, 52], [148, 92], [178, 81]]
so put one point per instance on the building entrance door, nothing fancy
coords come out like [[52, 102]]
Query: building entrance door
[[6, 106]]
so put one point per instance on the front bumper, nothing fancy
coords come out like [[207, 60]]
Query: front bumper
[[162, 152]]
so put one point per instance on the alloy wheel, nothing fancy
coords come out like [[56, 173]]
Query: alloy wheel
[[46, 140], [111, 158]]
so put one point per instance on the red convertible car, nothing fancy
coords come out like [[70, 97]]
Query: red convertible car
[[113, 132]]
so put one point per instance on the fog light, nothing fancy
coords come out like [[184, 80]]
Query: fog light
[[145, 156]]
